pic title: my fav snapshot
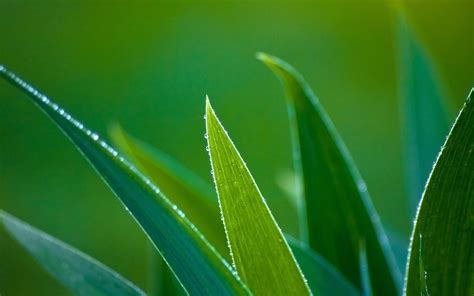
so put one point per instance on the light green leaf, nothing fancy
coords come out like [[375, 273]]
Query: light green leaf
[[77, 271], [339, 210], [186, 190], [259, 251], [424, 112], [445, 217], [322, 277], [199, 268]]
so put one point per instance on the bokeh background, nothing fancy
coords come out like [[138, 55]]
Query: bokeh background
[[150, 65]]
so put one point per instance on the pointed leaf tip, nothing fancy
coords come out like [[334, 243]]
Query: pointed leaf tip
[[180, 243], [332, 188], [259, 251], [269, 60], [208, 105], [262, 56]]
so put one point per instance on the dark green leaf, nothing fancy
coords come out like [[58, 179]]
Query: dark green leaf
[[323, 278], [190, 193], [399, 247], [445, 218], [77, 271], [199, 268], [339, 210], [259, 251], [364, 270], [424, 113], [161, 279]]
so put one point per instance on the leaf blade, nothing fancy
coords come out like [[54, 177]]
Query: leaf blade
[[335, 194], [364, 271], [323, 278], [259, 250], [424, 112], [190, 193], [196, 264], [77, 271], [444, 217]]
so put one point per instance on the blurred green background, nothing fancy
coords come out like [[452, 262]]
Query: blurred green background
[[149, 67]]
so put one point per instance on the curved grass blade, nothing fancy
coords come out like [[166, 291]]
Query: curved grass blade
[[445, 217], [424, 112], [339, 209], [196, 264], [161, 279], [259, 251], [186, 190], [77, 271], [323, 278], [364, 270]]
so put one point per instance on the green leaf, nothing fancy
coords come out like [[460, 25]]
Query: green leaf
[[445, 217], [323, 278], [77, 271], [424, 287], [199, 268], [399, 247], [258, 248], [186, 190], [425, 120], [339, 211], [364, 270], [161, 280]]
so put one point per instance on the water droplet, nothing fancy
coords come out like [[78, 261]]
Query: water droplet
[[362, 186], [205, 136], [95, 136]]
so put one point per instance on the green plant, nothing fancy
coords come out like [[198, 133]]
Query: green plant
[[341, 249]]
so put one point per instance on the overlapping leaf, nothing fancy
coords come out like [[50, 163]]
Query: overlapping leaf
[[197, 265], [445, 218], [190, 193], [423, 111], [77, 271], [259, 251], [339, 210], [364, 271], [322, 278]]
